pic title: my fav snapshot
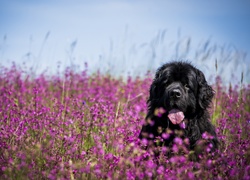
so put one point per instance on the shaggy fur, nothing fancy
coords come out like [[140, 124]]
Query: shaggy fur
[[179, 85]]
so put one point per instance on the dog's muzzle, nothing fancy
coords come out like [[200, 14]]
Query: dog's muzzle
[[175, 95]]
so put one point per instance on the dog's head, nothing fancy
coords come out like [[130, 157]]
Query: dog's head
[[180, 88]]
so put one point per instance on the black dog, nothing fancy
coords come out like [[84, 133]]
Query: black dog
[[179, 99]]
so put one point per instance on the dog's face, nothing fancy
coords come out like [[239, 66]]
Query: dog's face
[[181, 88]]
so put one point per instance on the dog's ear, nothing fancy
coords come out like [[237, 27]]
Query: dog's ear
[[152, 91], [205, 92], [154, 88]]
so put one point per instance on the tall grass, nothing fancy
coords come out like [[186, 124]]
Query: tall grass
[[126, 56]]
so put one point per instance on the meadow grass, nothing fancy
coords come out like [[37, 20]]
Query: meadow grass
[[80, 126]]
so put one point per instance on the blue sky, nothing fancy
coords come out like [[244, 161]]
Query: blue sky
[[112, 34]]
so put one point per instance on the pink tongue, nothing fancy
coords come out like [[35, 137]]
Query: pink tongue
[[176, 116]]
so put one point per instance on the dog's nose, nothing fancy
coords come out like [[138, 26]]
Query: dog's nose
[[175, 93]]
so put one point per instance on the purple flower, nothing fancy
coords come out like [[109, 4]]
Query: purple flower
[[165, 135], [159, 112]]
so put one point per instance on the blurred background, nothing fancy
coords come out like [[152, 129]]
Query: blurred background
[[127, 37]]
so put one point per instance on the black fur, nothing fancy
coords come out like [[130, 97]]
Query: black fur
[[194, 97]]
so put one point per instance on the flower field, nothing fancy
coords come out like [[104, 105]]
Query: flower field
[[80, 126]]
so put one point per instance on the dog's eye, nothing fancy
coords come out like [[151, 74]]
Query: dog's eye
[[186, 87]]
